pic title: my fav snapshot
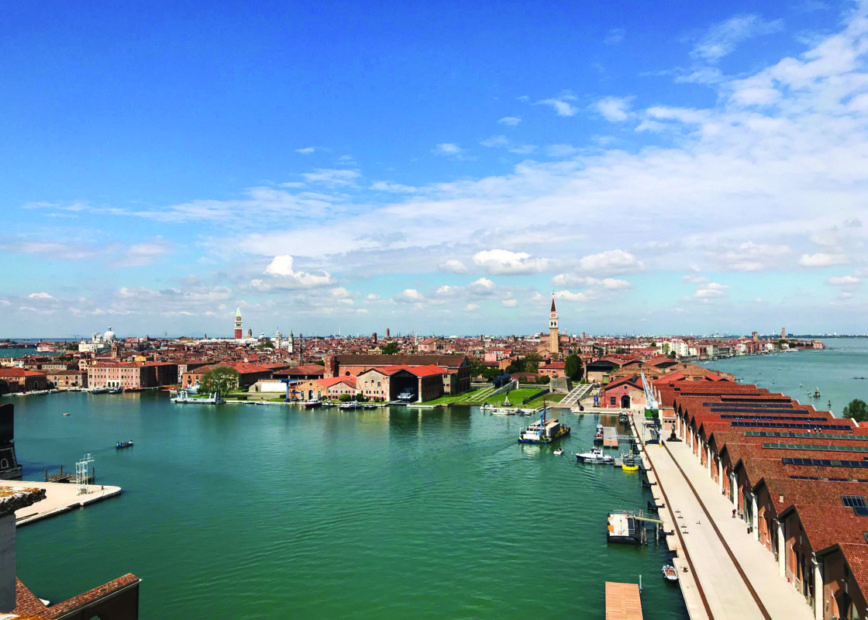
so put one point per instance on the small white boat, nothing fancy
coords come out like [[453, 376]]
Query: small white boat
[[559, 452], [595, 456], [312, 403], [669, 573]]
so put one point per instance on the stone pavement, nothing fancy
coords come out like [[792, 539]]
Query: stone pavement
[[59, 497], [737, 576]]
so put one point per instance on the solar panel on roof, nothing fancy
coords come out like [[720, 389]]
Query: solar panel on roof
[[861, 511]]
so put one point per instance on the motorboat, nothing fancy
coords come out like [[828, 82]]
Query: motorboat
[[598, 434], [184, 397], [115, 390], [350, 405], [406, 395], [123, 444], [312, 403], [669, 573], [559, 452], [595, 456]]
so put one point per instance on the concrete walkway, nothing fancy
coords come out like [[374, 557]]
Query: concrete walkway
[[737, 577], [59, 498]]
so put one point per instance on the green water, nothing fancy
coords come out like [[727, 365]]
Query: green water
[[840, 372], [273, 512]]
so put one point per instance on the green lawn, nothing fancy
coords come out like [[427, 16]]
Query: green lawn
[[516, 398]]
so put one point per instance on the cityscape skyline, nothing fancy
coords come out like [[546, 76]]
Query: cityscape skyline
[[438, 169]]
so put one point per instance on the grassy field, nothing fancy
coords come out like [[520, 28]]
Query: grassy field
[[516, 398]]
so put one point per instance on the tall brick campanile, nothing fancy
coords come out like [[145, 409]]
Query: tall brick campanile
[[554, 344], [239, 333]]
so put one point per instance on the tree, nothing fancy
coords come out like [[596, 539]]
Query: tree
[[531, 361], [573, 367], [221, 379], [265, 344], [856, 409], [390, 348]]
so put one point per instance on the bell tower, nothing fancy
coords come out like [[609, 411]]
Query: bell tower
[[554, 341], [239, 333]]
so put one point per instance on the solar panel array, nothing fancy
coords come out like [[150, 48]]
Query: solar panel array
[[824, 462], [752, 423], [732, 416], [785, 435], [750, 404], [821, 447]]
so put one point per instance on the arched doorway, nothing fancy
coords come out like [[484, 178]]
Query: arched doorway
[[625, 401]]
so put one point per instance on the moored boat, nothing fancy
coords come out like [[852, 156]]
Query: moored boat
[[598, 434], [312, 403], [559, 452], [123, 444], [669, 573], [544, 431], [595, 456]]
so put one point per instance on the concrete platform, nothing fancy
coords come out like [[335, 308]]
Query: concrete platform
[[722, 570], [59, 498]]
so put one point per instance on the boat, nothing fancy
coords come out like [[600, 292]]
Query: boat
[[669, 573], [99, 390], [559, 452], [123, 444], [369, 406], [65, 414], [115, 390], [595, 456], [406, 395], [327, 404], [598, 434], [184, 397], [816, 393], [624, 528], [312, 403], [544, 431], [350, 405]]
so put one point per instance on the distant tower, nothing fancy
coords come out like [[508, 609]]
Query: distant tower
[[239, 333], [755, 337], [554, 344], [374, 337], [783, 333], [387, 333], [250, 332], [291, 344]]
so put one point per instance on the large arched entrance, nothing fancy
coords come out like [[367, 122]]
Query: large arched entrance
[[625, 402]]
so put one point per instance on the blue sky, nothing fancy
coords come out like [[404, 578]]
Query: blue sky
[[433, 167]]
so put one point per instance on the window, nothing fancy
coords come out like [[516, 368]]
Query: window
[[612, 400]]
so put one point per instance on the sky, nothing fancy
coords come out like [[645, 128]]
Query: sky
[[433, 167]]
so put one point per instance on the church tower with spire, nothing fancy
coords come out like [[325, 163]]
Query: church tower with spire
[[554, 341]]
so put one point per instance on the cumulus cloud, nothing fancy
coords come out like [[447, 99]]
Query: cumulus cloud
[[843, 281], [822, 260], [41, 296], [511, 121], [471, 307], [306, 150], [614, 109], [611, 261], [448, 149], [505, 262], [282, 275], [409, 295], [332, 176], [482, 286], [509, 303], [453, 266], [561, 105], [750, 256]]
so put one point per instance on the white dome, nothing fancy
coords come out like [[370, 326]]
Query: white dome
[[108, 335]]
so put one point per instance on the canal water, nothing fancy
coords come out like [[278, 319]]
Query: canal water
[[245, 511]]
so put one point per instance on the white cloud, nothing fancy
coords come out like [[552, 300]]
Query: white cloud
[[483, 286], [409, 295], [332, 176], [394, 188], [471, 307], [712, 289], [453, 266], [611, 261], [611, 284], [750, 256], [509, 303], [511, 121], [614, 109], [40, 296], [506, 262], [448, 149], [306, 150], [283, 276], [561, 105], [141, 254], [843, 281], [495, 142], [722, 38], [822, 260]]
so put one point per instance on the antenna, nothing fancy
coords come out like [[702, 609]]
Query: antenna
[[81, 473]]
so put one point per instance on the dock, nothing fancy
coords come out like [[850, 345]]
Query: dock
[[623, 601], [610, 437], [59, 498]]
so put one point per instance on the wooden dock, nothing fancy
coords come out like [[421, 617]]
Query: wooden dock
[[610, 437], [623, 601]]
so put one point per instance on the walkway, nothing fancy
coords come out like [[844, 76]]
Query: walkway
[[59, 497], [576, 395], [737, 577]]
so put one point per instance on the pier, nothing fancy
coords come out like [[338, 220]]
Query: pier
[[623, 601], [60, 497], [722, 571]]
